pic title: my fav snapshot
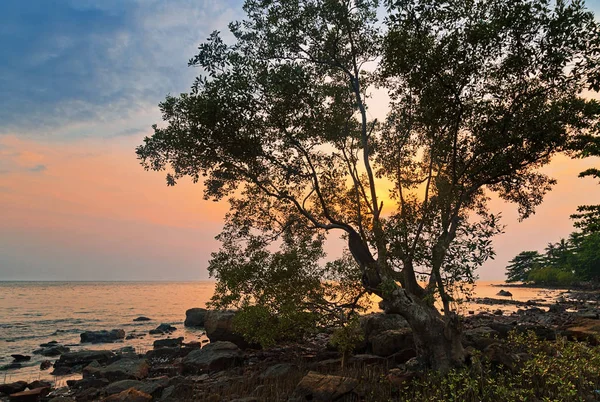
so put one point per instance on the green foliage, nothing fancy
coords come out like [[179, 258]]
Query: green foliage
[[551, 276], [347, 337], [519, 267], [549, 371]]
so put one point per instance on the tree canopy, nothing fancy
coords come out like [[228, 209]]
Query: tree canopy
[[482, 93]]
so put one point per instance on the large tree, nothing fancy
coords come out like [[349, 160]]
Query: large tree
[[482, 94]]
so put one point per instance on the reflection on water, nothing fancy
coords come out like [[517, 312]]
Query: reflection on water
[[32, 313]]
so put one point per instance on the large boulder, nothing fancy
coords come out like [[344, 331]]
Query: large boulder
[[83, 358], [124, 369], [194, 317], [323, 387], [219, 327], [391, 341], [215, 356], [103, 336]]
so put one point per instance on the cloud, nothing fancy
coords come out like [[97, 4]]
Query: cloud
[[70, 61], [37, 168]]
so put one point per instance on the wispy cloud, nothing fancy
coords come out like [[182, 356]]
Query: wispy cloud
[[37, 168], [70, 61]]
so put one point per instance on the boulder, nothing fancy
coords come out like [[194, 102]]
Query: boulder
[[124, 369], [215, 356], [504, 293], [168, 343], [102, 336], [130, 395], [322, 387], [151, 387], [281, 370], [32, 395], [142, 318], [374, 324], [83, 358], [51, 350], [219, 327], [391, 341], [194, 317], [20, 358], [45, 364], [39, 384], [162, 329], [13, 387]]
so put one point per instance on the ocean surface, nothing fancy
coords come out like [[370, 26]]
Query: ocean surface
[[32, 313]]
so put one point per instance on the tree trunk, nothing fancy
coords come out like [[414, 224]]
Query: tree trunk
[[437, 338]]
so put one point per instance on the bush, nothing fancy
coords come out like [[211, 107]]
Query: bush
[[551, 276]]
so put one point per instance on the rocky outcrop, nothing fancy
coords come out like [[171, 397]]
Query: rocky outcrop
[[322, 387], [102, 336], [194, 317], [219, 327], [215, 356]]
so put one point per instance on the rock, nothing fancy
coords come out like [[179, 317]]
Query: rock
[[32, 395], [124, 369], [13, 387], [322, 387], [130, 395], [374, 324], [194, 317], [163, 354], [391, 341], [142, 318], [48, 344], [281, 370], [162, 329], [591, 315], [51, 350], [168, 343], [504, 293], [103, 336], [87, 383], [498, 312], [399, 378], [39, 384], [219, 327], [403, 356], [20, 358], [215, 356], [83, 358], [480, 337], [498, 355], [152, 387], [45, 364], [471, 312]]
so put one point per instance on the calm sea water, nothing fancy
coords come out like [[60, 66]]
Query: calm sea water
[[32, 313]]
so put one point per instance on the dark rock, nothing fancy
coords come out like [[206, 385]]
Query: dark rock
[[83, 358], [504, 293], [39, 384], [281, 370], [163, 354], [103, 336], [400, 378], [20, 358], [391, 341], [162, 329], [168, 343], [480, 337], [498, 312], [51, 350], [45, 365], [403, 356], [151, 387], [321, 387], [13, 387], [374, 324], [124, 369], [219, 327], [32, 395], [215, 356], [130, 395], [498, 355], [48, 344], [194, 317], [142, 318], [86, 383]]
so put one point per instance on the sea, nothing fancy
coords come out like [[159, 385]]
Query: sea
[[32, 313]]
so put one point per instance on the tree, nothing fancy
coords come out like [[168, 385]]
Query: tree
[[587, 217], [481, 97], [519, 267]]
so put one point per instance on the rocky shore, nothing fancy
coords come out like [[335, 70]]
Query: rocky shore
[[229, 369]]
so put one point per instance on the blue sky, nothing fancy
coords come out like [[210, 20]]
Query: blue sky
[[80, 81]]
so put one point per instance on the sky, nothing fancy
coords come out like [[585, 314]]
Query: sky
[[80, 81]]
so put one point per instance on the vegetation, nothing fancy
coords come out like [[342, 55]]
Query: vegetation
[[482, 94]]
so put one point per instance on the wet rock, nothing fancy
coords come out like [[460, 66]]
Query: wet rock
[[83, 358], [162, 329], [51, 350], [322, 387], [45, 365], [142, 318], [48, 344], [32, 395], [124, 369], [130, 395], [215, 356], [39, 384], [20, 358], [219, 327], [498, 312], [194, 317], [504, 293], [168, 343], [13, 387], [391, 341], [102, 336]]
